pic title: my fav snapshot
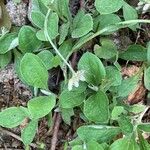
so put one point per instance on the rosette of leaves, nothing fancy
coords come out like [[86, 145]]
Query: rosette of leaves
[[100, 98]]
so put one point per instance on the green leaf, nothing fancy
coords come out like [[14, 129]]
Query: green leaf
[[147, 78], [77, 147], [81, 41], [5, 59], [116, 112], [136, 108], [134, 53], [41, 106], [62, 7], [107, 50], [40, 35], [113, 77], [127, 86], [129, 13], [8, 42], [67, 114], [97, 133], [38, 19], [93, 67], [52, 25], [28, 133], [148, 53], [144, 145], [124, 144], [65, 48], [108, 6], [38, 5], [18, 58], [47, 57], [11, 117], [28, 41], [125, 125], [64, 29], [144, 127], [56, 61], [73, 98], [92, 145], [34, 71], [96, 107], [103, 21], [82, 24]]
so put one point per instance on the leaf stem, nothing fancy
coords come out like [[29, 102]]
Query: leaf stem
[[53, 45], [109, 28]]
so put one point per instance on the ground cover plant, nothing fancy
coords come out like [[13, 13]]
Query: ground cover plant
[[93, 81]]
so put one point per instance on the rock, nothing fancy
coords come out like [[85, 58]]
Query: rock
[[17, 12]]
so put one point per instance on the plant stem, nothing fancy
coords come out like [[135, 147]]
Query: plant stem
[[142, 114], [114, 27], [53, 45]]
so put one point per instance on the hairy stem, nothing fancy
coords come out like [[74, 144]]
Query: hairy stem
[[53, 45]]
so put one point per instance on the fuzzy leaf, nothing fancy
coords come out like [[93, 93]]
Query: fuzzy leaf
[[97, 133], [129, 13], [145, 127], [125, 144], [70, 99], [47, 58], [127, 86], [96, 107], [64, 29], [28, 41], [107, 50], [28, 133], [41, 106], [52, 25], [134, 53], [34, 71], [11, 117], [38, 19], [82, 24], [108, 6], [93, 67], [5, 59], [8, 42], [108, 19]]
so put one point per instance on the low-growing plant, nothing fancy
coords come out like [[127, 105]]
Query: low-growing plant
[[96, 87]]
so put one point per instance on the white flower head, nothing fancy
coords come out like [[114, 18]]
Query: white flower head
[[76, 77]]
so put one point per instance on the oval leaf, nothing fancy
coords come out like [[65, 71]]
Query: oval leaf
[[28, 41], [125, 144], [34, 71], [12, 117], [97, 133], [70, 99], [96, 107], [8, 42], [5, 59], [38, 19], [93, 67], [47, 58], [108, 6], [82, 24], [41, 106], [134, 53], [28, 133]]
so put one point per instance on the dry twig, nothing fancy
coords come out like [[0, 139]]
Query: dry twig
[[55, 132], [15, 136]]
